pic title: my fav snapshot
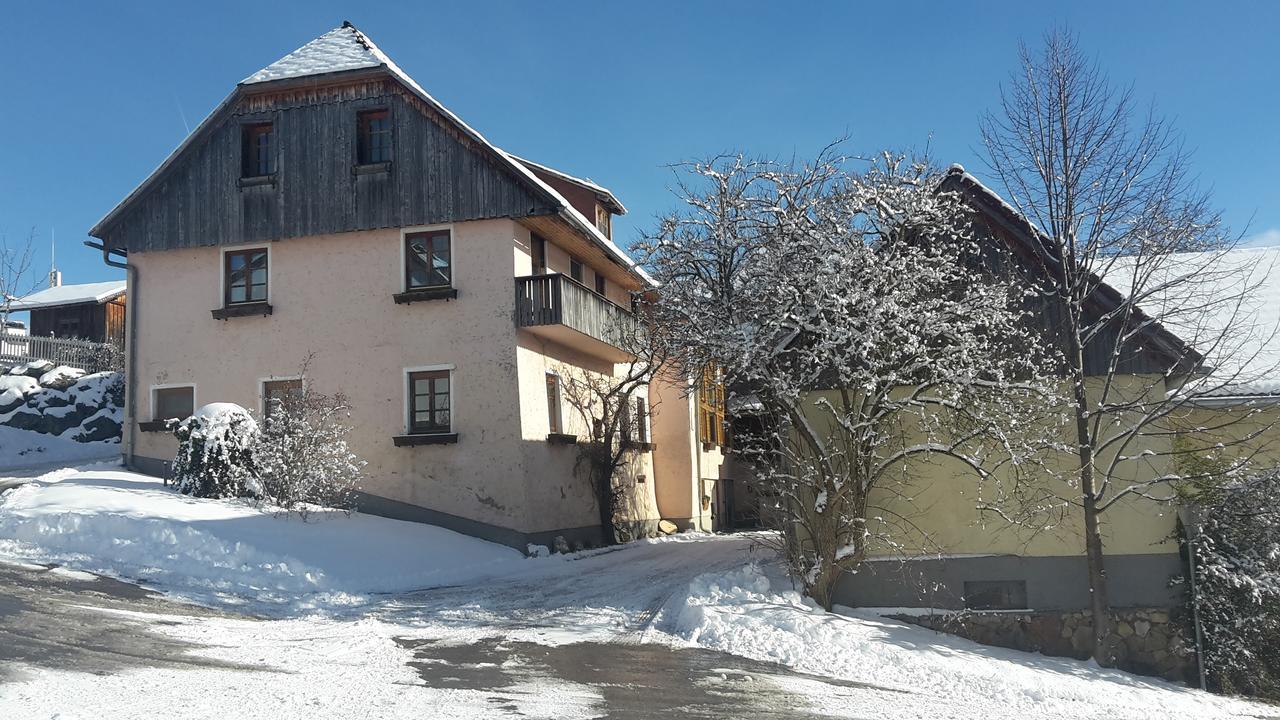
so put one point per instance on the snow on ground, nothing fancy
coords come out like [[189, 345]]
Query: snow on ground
[[131, 526], [23, 448], [335, 648], [740, 612]]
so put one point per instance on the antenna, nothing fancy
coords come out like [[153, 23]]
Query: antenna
[[55, 277]]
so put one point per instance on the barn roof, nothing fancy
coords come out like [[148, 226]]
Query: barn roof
[[70, 295]]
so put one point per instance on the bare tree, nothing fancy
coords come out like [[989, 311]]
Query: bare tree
[[15, 273], [856, 319], [613, 408], [1107, 187]]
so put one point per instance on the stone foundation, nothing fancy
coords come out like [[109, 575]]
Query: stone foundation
[[1146, 641]]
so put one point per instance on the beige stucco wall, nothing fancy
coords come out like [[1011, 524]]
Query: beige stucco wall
[[687, 472], [935, 510], [332, 296]]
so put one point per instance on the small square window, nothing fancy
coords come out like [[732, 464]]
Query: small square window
[[995, 595], [428, 262], [173, 403], [245, 277], [374, 137], [575, 269], [277, 394], [257, 150], [430, 394]]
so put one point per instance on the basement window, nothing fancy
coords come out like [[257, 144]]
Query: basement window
[[995, 594], [169, 403]]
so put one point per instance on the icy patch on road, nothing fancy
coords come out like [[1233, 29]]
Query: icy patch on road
[[747, 613]]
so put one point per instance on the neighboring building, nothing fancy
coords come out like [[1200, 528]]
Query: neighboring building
[[91, 311], [329, 207]]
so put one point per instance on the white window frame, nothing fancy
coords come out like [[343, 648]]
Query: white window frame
[[404, 259], [151, 395], [407, 421], [262, 382], [222, 269], [559, 402]]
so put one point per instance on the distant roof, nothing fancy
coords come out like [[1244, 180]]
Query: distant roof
[[600, 191], [71, 295], [345, 49]]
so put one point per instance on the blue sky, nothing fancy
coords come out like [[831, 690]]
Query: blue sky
[[97, 94]]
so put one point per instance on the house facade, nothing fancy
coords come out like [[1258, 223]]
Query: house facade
[[331, 214], [86, 311]]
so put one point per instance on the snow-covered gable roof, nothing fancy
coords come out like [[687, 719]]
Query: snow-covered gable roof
[[345, 49], [71, 295]]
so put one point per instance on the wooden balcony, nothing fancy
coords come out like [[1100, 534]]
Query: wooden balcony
[[564, 311]]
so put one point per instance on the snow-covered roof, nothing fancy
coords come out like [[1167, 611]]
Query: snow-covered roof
[[71, 295], [346, 48], [600, 191]]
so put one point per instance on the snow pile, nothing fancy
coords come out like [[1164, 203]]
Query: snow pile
[[741, 612], [130, 526], [23, 448]]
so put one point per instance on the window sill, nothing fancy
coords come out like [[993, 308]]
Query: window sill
[[561, 439], [257, 180], [638, 446], [411, 296], [381, 168], [156, 425], [244, 310], [425, 439]]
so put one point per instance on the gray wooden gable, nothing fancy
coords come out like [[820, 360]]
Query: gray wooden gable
[[438, 174]]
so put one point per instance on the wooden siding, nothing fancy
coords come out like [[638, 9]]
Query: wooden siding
[[437, 175], [93, 321], [559, 300]]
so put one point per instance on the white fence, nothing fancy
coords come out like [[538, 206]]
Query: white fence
[[84, 354]]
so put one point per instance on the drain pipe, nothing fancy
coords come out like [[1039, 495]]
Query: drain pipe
[[131, 340]]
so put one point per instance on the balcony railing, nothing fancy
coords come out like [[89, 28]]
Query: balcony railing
[[550, 302]]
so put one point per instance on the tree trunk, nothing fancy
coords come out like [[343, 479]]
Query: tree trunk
[[1099, 596]]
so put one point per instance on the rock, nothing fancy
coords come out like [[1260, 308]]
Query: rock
[[1141, 627], [1159, 617], [579, 546], [100, 428], [666, 527], [33, 369], [61, 377], [1124, 629], [560, 545]]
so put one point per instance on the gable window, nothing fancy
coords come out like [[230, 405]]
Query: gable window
[[374, 137], [277, 394], [173, 403], [429, 402], [257, 151], [575, 269], [600, 284], [554, 420], [427, 260], [539, 250], [245, 276]]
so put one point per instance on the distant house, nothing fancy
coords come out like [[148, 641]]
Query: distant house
[[90, 311]]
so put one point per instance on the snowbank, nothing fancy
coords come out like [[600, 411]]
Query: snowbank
[[741, 612], [24, 448], [130, 526]]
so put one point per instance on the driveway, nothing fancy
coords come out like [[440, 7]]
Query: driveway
[[52, 619]]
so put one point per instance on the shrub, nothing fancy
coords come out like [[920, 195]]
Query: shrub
[[1237, 553], [216, 453], [302, 455]]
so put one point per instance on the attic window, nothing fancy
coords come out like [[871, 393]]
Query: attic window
[[374, 143], [257, 154], [604, 221]]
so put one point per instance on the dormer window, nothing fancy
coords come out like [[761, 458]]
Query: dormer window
[[257, 151], [604, 221], [374, 137]]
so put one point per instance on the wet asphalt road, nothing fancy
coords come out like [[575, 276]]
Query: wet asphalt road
[[63, 621]]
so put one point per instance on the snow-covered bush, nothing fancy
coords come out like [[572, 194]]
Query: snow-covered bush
[[302, 455], [1237, 561], [216, 453]]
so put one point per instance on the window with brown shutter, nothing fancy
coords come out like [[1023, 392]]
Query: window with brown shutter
[[173, 403], [278, 394], [711, 416]]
